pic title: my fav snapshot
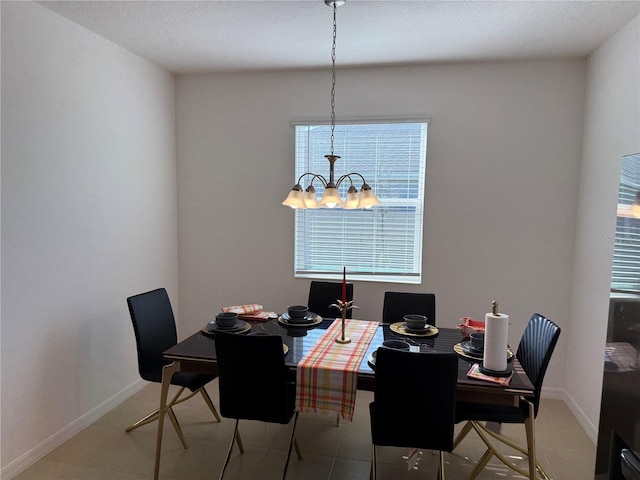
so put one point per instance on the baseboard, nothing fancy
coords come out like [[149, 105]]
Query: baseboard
[[32, 456], [561, 394]]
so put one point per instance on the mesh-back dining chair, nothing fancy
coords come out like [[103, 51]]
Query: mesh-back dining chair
[[534, 353], [254, 384], [155, 330], [323, 294], [398, 304], [401, 388]]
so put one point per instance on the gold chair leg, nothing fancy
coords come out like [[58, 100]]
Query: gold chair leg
[[441, 466], [531, 442], [507, 441], [239, 442], [226, 461], [291, 442], [172, 416], [152, 417], [482, 432], [481, 464], [463, 433], [297, 448], [372, 472], [176, 427], [167, 373], [207, 400]]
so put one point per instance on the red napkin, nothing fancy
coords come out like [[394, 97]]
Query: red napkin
[[243, 309], [468, 326], [255, 317], [250, 311]]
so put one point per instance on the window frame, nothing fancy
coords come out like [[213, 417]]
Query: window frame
[[418, 203], [626, 241]]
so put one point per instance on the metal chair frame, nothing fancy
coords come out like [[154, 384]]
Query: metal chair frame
[[153, 416]]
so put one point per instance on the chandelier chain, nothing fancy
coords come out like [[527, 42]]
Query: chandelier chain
[[333, 76], [298, 198]]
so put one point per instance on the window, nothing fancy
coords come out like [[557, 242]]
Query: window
[[625, 274], [379, 244]]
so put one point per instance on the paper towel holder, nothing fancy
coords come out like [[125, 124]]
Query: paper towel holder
[[494, 307], [496, 373]]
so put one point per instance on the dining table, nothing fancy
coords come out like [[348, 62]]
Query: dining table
[[197, 354]]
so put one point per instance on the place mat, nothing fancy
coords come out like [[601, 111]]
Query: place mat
[[327, 376], [399, 328], [313, 323], [241, 328], [475, 373], [476, 358]]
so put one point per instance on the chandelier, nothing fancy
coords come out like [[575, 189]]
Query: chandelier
[[331, 196]]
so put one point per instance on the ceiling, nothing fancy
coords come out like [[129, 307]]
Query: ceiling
[[235, 35]]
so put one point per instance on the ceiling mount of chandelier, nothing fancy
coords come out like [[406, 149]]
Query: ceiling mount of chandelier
[[331, 196]]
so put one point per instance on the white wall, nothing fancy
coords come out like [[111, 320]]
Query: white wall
[[88, 218], [501, 187], [89, 202], [611, 130]]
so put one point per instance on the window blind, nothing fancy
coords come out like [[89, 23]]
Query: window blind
[[385, 242]]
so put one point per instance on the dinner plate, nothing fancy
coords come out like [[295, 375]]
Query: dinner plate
[[213, 325], [475, 356], [416, 330], [288, 323], [310, 317], [240, 327], [469, 348], [400, 328], [371, 359]]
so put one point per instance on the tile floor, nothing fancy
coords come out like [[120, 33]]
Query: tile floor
[[104, 451]]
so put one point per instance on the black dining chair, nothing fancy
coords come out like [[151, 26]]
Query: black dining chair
[[400, 388], [323, 294], [155, 330], [398, 304], [254, 384], [534, 353]]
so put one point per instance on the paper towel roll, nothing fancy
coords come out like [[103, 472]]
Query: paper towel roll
[[496, 341]]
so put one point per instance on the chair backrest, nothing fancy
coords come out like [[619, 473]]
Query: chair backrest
[[252, 378], [323, 294], [534, 351], [398, 304], [155, 330], [414, 399]]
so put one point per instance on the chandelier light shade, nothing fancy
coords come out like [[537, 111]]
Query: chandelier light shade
[[366, 198]]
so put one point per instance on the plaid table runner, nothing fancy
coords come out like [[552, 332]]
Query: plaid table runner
[[327, 376]]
